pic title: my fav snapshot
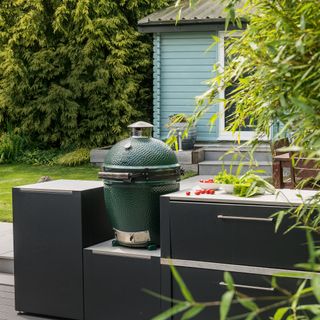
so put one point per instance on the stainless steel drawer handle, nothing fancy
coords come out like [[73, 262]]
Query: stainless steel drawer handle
[[248, 287], [220, 216]]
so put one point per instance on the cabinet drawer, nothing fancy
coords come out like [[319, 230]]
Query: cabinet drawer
[[208, 286], [114, 286], [235, 234]]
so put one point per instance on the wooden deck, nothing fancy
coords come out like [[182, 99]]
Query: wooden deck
[[7, 311]]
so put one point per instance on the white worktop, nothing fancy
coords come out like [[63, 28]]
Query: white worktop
[[63, 185], [283, 197], [106, 248]]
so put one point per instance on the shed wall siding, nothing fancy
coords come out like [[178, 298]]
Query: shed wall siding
[[185, 64], [156, 85]]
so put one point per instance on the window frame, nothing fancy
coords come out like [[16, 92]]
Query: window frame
[[224, 134]]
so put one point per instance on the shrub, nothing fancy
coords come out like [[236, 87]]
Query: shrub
[[74, 158], [74, 72], [11, 146], [39, 157]]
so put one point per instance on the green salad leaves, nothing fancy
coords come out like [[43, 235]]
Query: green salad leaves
[[247, 185]]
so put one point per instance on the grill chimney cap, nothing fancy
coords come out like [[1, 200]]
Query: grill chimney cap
[[140, 124]]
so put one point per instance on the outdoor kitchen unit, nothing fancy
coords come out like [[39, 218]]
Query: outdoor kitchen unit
[[136, 172]]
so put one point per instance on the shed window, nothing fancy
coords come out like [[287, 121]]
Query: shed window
[[226, 115]]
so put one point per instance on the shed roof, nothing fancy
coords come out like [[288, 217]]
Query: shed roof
[[205, 12]]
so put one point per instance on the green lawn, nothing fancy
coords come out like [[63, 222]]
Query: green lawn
[[20, 174]]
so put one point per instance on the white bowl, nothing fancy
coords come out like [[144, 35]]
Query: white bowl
[[209, 185]]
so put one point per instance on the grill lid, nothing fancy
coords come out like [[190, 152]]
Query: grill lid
[[140, 153]]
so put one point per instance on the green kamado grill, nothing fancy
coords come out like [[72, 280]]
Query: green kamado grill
[[136, 172]]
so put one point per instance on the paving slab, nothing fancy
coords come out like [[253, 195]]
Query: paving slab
[[6, 240], [6, 279]]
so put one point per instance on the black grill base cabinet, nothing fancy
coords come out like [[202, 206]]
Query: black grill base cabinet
[[52, 223], [114, 279]]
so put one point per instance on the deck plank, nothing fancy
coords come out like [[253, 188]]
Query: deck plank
[[7, 311], [6, 288]]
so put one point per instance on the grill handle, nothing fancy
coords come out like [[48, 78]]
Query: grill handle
[[115, 175], [223, 217], [244, 286], [170, 174]]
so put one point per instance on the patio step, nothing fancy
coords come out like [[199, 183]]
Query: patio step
[[236, 152], [227, 154], [6, 279], [6, 264], [212, 167]]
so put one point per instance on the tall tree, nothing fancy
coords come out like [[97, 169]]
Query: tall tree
[[74, 72]]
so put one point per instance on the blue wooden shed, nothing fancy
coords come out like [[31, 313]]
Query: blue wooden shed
[[183, 61]]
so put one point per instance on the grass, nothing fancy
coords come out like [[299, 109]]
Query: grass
[[19, 174], [12, 175]]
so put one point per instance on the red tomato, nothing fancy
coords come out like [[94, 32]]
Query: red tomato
[[197, 193], [188, 193]]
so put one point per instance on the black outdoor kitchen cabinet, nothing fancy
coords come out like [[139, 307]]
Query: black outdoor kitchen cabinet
[[234, 233], [230, 233], [205, 236], [207, 285], [114, 280], [52, 223]]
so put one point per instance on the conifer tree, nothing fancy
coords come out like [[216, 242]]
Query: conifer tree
[[74, 72]]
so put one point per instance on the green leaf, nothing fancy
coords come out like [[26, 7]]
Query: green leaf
[[314, 308], [280, 313], [178, 16], [174, 310], [315, 282], [248, 304], [228, 280], [216, 39], [213, 119], [302, 22], [280, 216], [225, 304], [251, 316], [298, 294], [183, 288], [191, 313], [192, 3]]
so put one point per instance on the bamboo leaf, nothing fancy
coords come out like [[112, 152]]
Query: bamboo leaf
[[315, 282], [248, 304], [183, 288], [191, 313], [279, 314], [225, 304], [171, 312], [297, 295], [251, 316], [228, 280], [280, 215]]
